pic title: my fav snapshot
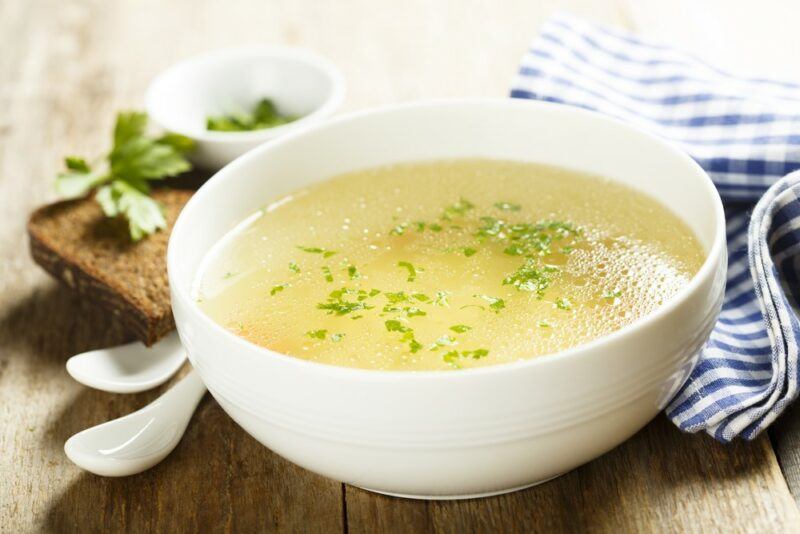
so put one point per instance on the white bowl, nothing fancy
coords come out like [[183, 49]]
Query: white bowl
[[300, 83], [477, 431]]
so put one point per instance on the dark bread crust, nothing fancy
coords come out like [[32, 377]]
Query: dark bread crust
[[74, 242]]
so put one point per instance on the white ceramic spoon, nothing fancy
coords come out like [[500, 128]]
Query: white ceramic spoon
[[128, 368], [138, 441]]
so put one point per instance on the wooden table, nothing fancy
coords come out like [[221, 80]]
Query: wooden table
[[66, 66]]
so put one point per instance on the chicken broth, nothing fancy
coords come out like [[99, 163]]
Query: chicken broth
[[446, 265]]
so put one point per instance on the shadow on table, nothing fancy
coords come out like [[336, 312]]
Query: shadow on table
[[51, 323], [219, 478]]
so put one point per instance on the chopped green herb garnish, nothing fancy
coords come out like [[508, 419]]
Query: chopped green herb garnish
[[468, 251], [495, 303], [507, 206], [529, 277], [412, 271], [400, 229], [563, 304], [445, 340], [277, 289], [420, 226], [457, 210], [612, 295], [452, 357], [294, 267], [317, 334], [396, 297], [441, 299], [264, 115], [420, 297], [526, 239], [317, 250], [435, 227], [339, 304], [353, 273], [337, 337], [393, 325], [543, 324], [460, 328], [326, 272]]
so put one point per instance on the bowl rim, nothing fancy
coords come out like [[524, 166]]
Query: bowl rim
[[298, 54], [715, 254]]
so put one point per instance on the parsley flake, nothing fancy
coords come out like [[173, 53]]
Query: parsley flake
[[458, 209], [317, 334], [412, 271], [563, 304], [277, 289], [495, 303], [317, 250]]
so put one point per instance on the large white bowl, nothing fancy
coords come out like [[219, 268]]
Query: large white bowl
[[477, 431]]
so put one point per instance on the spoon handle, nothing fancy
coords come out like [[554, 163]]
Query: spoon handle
[[140, 440], [187, 393]]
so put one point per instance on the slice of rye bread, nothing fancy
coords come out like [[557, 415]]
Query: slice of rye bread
[[94, 255]]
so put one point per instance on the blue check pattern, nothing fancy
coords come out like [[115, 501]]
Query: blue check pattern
[[745, 132]]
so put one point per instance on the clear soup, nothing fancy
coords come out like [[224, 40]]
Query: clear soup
[[446, 265]]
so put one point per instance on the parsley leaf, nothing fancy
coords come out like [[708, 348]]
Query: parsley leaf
[[121, 179], [144, 214], [264, 115]]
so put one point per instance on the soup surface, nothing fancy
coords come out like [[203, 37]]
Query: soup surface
[[446, 265]]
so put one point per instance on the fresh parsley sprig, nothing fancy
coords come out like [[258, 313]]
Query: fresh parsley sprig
[[121, 179]]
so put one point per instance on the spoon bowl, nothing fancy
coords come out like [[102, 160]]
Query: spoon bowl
[[140, 440], [128, 368]]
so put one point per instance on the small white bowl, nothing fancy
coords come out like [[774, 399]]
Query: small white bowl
[[476, 431], [300, 83]]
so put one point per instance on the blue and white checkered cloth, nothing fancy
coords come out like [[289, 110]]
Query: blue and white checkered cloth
[[745, 133]]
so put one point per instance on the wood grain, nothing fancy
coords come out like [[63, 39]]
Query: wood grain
[[67, 66], [660, 480]]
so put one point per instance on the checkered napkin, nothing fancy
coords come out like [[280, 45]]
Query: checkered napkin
[[745, 133]]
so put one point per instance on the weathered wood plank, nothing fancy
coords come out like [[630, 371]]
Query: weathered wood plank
[[660, 480]]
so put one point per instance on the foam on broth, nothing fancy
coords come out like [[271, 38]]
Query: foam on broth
[[446, 265]]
